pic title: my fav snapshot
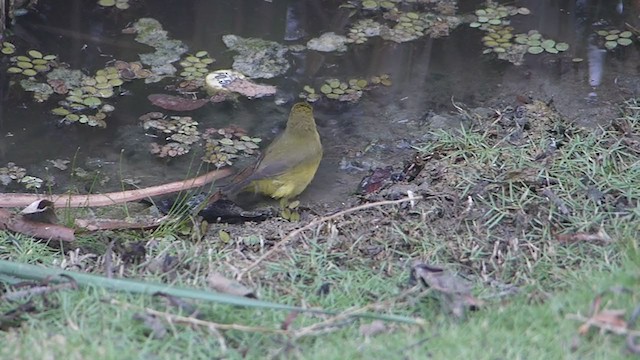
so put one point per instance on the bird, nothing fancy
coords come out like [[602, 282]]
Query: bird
[[289, 163]]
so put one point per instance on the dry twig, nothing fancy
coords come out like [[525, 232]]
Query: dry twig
[[317, 222], [172, 318]]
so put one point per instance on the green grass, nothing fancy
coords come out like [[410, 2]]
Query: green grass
[[492, 214]]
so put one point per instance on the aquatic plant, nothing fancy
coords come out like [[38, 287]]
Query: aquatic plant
[[119, 4], [416, 19], [31, 63], [195, 67], [348, 91], [223, 146], [7, 48], [614, 38], [178, 133], [11, 172], [167, 51], [257, 58], [14, 173], [501, 41], [84, 94]]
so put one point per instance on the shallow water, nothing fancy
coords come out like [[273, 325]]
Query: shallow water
[[426, 73]]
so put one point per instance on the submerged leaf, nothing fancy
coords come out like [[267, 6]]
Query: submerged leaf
[[176, 103]]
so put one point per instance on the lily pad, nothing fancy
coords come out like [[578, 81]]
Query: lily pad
[[35, 54], [60, 111], [625, 41], [92, 101], [369, 5], [562, 46], [24, 65], [611, 44], [535, 50], [106, 3], [548, 43]]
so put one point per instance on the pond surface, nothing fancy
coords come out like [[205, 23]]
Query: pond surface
[[427, 76]]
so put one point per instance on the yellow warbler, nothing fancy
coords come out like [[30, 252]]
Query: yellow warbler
[[290, 162]]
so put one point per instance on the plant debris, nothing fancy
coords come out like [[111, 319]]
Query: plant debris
[[150, 32], [257, 58], [176, 103]]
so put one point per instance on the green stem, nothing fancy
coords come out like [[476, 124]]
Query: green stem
[[32, 272]]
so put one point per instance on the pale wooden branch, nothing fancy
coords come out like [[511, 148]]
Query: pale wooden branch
[[67, 200]]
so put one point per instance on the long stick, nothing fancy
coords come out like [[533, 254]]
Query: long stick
[[68, 200]]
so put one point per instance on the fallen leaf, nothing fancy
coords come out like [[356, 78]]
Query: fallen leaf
[[456, 291], [601, 236], [59, 164], [227, 286], [176, 103], [250, 89], [609, 320], [41, 211]]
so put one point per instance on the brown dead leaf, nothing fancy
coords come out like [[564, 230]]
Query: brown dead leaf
[[600, 237], [250, 89], [456, 291], [176, 103], [41, 211], [606, 320], [227, 286]]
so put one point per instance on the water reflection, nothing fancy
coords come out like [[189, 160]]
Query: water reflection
[[426, 75]]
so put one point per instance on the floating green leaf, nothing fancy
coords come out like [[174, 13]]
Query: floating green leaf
[[35, 54], [24, 65], [548, 43], [625, 41], [106, 3], [60, 111], [92, 101], [326, 89], [535, 50], [611, 44]]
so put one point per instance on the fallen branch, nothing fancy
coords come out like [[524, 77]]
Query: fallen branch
[[317, 222], [67, 200], [112, 224], [17, 223]]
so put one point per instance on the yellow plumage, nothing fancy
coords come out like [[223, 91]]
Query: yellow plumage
[[290, 162]]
